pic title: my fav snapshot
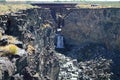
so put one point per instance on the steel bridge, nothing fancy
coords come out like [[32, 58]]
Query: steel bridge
[[55, 5]]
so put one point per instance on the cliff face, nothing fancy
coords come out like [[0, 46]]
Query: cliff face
[[93, 25], [96, 34], [91, 36], [32, 29]]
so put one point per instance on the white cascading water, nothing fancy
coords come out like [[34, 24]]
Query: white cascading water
[[60, 42]]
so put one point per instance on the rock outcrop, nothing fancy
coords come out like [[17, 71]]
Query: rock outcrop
[[7, 68], [40, 63]]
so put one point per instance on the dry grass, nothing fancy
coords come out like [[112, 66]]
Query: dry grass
[[98, 4], [8, 8], [89, 6], [46, 25], [30, 49], [10, 39], [9, 49], [0, 35]]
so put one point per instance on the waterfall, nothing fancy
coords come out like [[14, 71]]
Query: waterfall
[[60, 41]]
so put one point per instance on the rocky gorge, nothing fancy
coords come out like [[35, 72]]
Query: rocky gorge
[[91, 39]]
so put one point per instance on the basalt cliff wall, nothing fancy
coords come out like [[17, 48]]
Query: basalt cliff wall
[[31, 27], [93, 25], [92, 38]]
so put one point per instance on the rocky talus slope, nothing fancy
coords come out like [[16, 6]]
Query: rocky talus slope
[[68, 68], [71, 69]]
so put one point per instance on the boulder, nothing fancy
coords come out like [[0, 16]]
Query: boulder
[[7, 68]]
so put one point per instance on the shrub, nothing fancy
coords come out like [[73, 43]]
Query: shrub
[[9, 49]]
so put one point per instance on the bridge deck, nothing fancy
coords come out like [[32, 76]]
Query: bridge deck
[[55, 5]]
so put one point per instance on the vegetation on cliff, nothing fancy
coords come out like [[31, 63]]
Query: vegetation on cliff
[[6, 8], [100, 4]]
